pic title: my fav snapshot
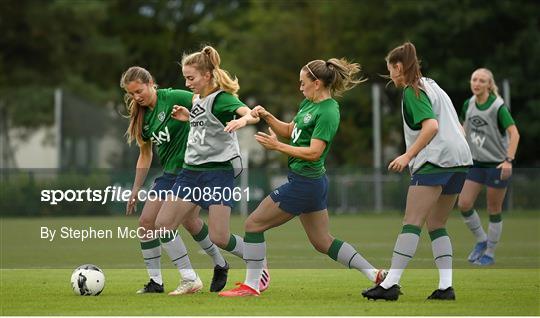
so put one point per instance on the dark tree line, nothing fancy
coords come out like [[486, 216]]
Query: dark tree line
[[85, 45]]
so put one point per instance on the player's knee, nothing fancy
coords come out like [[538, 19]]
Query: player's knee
[[161, 224], [146, 223]]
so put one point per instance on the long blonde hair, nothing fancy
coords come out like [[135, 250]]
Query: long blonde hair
[[339, 75], [135, 111], [492, 85], [208, 60]]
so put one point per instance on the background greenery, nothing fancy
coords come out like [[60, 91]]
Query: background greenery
[[84, 46]]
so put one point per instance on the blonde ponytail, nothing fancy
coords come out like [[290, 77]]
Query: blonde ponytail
[[208, 60]]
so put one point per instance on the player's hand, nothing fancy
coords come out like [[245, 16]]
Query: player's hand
[[259, 112], [180, 113], [131, 205], [506, 170], [269, 142], [400, 163], [234, 125]]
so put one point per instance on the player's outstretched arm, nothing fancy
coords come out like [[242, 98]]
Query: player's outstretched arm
[[311, 153], [246, 119], [282, 129]]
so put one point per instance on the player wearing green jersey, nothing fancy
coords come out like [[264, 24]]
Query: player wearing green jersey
[[207, 177], [493, 137], [437, 155], [305, 195], [150, 124]]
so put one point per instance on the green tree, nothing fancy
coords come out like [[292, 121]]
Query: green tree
[[84, 46], [48, 45]]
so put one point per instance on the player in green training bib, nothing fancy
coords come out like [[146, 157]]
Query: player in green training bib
[[437, 156], [493, 138], [305, 195], [151, 124]]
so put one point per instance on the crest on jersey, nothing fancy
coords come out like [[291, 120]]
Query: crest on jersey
[[307, 118], [196, 111], [161, 116], [146, 127]]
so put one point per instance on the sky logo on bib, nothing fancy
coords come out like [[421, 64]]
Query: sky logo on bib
[[196, 111], [477, 121], [307, 118], [478, 138], [196, 136], [161, 116]]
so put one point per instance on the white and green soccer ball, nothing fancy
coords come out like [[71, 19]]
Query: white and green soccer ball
[[87, 280]]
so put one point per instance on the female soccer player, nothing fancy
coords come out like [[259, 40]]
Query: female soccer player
[[493, 138], [305, 195], [437, 155], [207, 177], [150, 124]]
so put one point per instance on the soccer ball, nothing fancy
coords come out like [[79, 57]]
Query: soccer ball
[[87, 280]]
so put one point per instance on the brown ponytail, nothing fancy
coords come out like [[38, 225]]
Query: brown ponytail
[[336, 74], [406, 54]]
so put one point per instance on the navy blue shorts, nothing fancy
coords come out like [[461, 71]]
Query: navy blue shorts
[[451, 182], [205, 188], [302, 194], [161, 185], [491, 177]]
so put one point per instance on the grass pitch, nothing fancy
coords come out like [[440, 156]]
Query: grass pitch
[[34, 279]]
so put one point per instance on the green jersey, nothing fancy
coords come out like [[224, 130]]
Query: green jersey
[[169, 135], [415, 111], [224, 109], [314, 121]]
